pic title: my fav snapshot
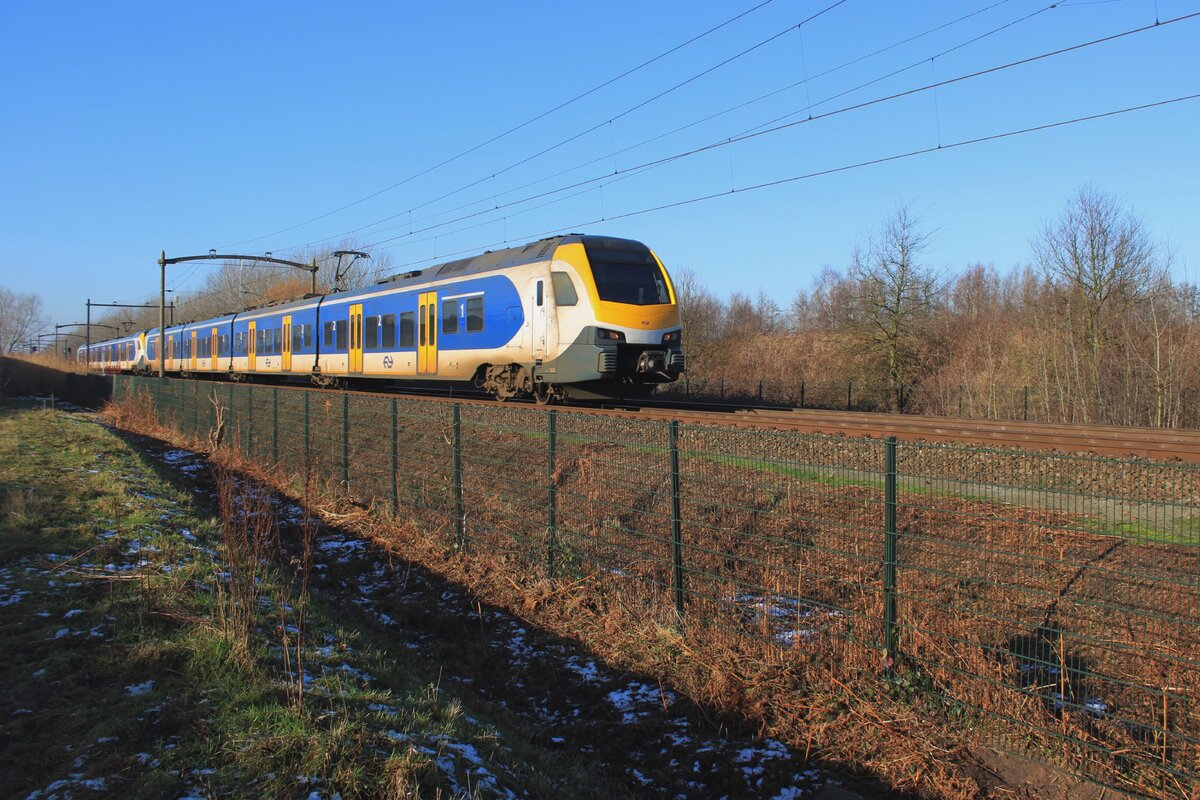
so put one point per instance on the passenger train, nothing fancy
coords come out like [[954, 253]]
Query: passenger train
[[567, 317]]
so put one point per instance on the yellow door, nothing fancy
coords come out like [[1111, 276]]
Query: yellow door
[[170, 352], [213, 354], [251, 346], [356, 343], [195, 350], [427, 336], [287, 344]]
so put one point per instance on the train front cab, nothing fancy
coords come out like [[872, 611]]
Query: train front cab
[[633, 337]]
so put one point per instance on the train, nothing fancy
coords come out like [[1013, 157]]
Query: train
[[569, 317]]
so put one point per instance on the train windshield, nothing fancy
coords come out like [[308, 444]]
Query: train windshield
[[628, 275]]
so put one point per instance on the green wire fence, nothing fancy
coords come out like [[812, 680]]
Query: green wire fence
[[1048, 603]]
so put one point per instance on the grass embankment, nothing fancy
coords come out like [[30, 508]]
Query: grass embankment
[[146, 657]]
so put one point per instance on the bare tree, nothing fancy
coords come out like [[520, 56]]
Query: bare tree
[[1102, 262], [895, 299], [20, 318], [699, 311]]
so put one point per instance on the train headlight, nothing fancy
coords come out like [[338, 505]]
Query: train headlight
[[672, 337], [610, 336]]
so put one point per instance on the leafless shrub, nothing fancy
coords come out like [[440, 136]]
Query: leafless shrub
[[249, 538]]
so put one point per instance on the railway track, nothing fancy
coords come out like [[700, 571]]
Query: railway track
[[1100, 440]]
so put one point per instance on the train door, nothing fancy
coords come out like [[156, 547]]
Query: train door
[[213, 351], [251, 346], [195, 350], [287, 344], [538, 322], [427, 333], [170, 352], [356, 339]]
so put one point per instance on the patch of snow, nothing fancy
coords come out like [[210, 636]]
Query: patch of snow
[[140, 688], [14, 598], [639, 777], [73, 612], [587, 670], [633, 700]]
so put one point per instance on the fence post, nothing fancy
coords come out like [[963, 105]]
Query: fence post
[[395, 465], [346, 442], [1026, 415], [802, 394], [249, 417], [459, 526], [676, 519], [889, 553], [195, 408], [552, 504], [307, 451], [849, 394], [760, 394], [274, 425], [233, 441]]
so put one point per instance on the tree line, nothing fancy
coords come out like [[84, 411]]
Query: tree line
[[1092, 330]]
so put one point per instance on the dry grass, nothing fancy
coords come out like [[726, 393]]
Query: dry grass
[[983, 588]]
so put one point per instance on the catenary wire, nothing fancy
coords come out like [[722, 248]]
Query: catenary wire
[[832, 171], [513, 129], [659, 137], [813, 118]]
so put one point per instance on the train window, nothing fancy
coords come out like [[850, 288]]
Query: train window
[[329, 326], [297, 337], [540, 292], [371, 333], [628, 278], [564, 289], [449, 316], [474, 313], [308, 328], [408, 322], [278, 341], [223, 343], [432, 324], [340, 329], [387, 327]]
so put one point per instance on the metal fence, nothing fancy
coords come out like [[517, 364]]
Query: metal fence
[[1049, 603]]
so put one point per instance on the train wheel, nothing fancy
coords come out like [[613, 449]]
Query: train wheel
[[545, 394]]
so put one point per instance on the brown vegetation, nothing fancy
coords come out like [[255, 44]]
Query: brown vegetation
[[1094, 331], [1013, 618]]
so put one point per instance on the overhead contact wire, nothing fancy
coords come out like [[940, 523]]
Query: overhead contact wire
[[512, 130], [756, 133]]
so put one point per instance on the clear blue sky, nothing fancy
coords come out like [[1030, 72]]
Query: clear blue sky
[[133, 127]]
